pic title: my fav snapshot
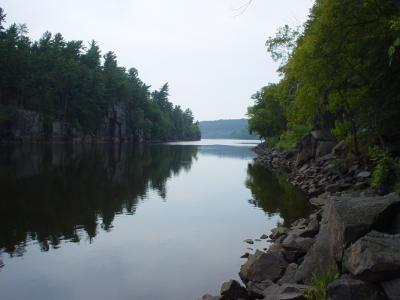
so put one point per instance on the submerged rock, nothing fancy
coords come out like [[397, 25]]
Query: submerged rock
[[249, 241]]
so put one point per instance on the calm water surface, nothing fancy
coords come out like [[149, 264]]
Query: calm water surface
[[159, 222]]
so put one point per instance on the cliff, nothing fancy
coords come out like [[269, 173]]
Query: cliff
[[31, 126]]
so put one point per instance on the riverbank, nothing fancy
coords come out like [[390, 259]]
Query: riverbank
[[348, 247]]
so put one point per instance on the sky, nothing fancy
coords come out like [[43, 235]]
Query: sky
[[211, 52]]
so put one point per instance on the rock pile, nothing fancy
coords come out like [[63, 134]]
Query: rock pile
[[353, 235]]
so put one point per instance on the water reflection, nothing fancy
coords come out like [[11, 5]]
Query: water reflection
[[275, 195], [56, 193], [227, 151]]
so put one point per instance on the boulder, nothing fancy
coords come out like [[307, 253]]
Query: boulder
[[249, 241], [319, 258], [396, 223], [364, 174], [263, 266], [285, 292], [340, 149], [374, 257], [278, 232], [288, 276], [263, 236], [348, 288], [324, 148], [345, 219], [305, 150], [256, 289], [333, 188], [321, 135], [294, 242], [232, 290], [392, 289], [319, 201]]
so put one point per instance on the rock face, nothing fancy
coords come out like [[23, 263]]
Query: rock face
[[374, 257], [263, 266], [30, 126], [348, 288], [316, 144]]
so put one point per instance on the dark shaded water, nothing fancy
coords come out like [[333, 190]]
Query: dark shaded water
[[160, 222]]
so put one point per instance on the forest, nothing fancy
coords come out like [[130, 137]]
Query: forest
[[68, 83], [339, 72]]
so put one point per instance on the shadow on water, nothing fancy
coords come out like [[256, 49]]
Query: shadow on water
[[56, 193], [275, 195]]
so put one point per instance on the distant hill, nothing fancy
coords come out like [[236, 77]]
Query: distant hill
[[225, 129]]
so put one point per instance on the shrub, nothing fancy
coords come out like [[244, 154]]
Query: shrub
[[317, 290], [386, 170]]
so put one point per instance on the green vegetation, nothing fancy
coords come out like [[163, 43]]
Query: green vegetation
[[387, 169], [339, 72], [226, 129], [318, 285], [64, 80]]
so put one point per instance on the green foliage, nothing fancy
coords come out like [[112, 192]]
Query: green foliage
[[67, 81], [267, 116], [386, 170], [290, 137], [318, 285], [340, 73]]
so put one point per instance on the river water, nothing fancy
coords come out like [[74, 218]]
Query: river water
[[155, 222]]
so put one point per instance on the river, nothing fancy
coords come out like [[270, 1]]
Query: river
[[150, 222]]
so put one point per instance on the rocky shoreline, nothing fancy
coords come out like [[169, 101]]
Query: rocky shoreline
[[351, 240]]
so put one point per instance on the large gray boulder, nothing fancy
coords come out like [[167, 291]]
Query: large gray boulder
[[263, 266], [392, 289], [295, 242], [348, 288], [374, 257], [285, 292], [256, 289], [288, 276], [232, 290], [345, 219]]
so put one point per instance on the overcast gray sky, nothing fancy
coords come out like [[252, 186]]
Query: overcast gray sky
[[213, 58]]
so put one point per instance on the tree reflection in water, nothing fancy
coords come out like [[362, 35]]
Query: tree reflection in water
[[274, 194], [61, 193]]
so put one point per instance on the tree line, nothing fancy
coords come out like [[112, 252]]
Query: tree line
[[69, 81], [339, 72]]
